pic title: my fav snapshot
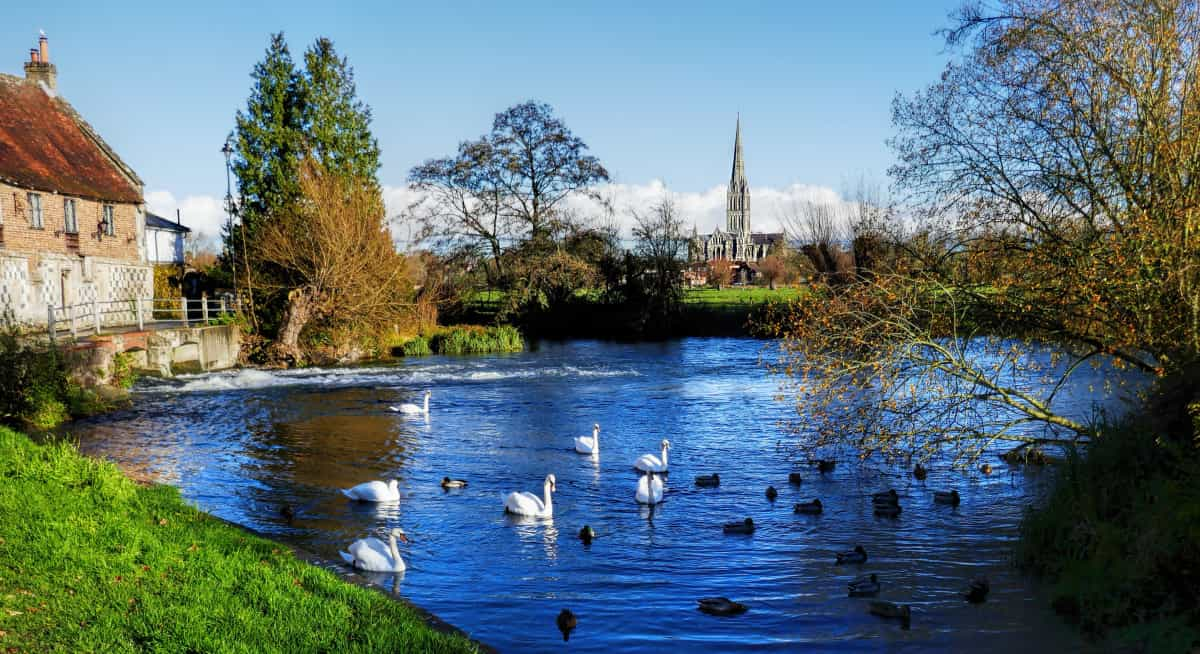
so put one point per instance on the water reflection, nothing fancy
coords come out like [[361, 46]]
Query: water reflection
[[244, 445]]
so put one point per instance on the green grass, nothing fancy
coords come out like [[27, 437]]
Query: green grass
[[463, 339], [91, 562], [739, 295]]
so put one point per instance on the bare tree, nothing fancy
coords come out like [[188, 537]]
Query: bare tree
[[336, 257], [819, 230]]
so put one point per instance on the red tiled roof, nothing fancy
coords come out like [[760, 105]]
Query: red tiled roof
[[46, 146]]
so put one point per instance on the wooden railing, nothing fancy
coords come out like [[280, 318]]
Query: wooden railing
[[95, 316]]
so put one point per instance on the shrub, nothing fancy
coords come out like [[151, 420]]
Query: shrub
[[1120, 538], [470, 339]]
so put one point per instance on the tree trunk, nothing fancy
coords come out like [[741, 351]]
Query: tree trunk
[[299, 312]]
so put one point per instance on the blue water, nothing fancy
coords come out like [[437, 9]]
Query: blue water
[[242, 444]]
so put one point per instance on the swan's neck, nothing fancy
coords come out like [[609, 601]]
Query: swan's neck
[[664, 457], [546, 494], [426, 404], [595, 440], [392, 548]]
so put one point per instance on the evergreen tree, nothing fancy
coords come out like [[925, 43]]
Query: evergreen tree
[[269, 140], [337, 124]]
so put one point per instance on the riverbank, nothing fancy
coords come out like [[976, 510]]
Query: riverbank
[[91, 561], [1119, 536], [731, 311]]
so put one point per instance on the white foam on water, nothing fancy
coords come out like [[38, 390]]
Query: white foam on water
[[253, 378]]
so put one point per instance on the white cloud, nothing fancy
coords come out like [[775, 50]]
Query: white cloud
[[202, 213], [705, 209]]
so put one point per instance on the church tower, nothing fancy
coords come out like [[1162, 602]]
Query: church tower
[[737, 199]]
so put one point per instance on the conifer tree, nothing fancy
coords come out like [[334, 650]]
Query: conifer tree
[[337, 123]]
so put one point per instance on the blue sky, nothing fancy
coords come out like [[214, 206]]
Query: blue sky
[[653, 88]]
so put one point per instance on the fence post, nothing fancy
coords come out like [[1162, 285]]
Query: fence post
[[96, 314], [223, 310], [50, 323], [141, 322], [183, 303], [204, 307]]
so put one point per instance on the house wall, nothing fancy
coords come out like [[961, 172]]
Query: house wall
[[163, 246], [38, 270]]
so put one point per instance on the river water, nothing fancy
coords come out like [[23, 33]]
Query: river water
[[243, 444]]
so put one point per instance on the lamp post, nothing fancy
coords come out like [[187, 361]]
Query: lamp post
[[230, 252]]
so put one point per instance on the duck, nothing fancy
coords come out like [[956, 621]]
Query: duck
[[744, 527], [977, 590], [946, 497], [892, 610], [586, 534], [528, 504], [795, 479], [888, 496], [373, 555], [986, 469], [919, 472], [649, 489], [449, 483], [589, 444], [374, 491], [708, 481], [288, 513], [772, 493], [865, 586], [826, 465], [651, 463], [856, 555], [720, 606], [566, 622], [811, 508], [408, 408]]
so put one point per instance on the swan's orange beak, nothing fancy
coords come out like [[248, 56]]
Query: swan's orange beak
[[403, 538]]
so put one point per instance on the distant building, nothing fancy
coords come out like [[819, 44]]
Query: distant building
[[164, 240], [71, 217], [736, 243]]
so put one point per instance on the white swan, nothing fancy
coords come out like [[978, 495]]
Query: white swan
[[408, 408], [374, 555], [651, 463], [523, 503], [589, 444], [374, 491], [649, 489]]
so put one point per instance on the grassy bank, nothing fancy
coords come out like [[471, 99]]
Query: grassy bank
[[463, 339], [89, 561], [1120, 539]]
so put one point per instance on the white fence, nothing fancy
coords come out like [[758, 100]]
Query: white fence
[[95, 316]]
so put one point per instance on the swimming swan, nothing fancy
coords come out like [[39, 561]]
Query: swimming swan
[[374, 555], [374, 491], [589, 444], [408, 408], [649, 490], [524, 503], [651, 463]]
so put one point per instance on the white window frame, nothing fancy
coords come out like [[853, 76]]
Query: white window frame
[[70, 216], [109, 219], [34, 201]]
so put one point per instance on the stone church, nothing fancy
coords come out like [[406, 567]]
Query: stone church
[[736, 243]]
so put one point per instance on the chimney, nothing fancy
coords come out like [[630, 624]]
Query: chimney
[[39, 68]]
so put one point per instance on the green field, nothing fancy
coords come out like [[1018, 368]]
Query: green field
[[92, 562], [739, 295]]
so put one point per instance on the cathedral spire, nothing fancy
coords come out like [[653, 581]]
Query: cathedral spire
[[739, 169], [737, 200]]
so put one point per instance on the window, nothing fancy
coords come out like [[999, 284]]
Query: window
[[35, 210], [70, 223], [107, 223]]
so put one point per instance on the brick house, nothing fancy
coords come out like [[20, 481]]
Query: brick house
[[72, 219]]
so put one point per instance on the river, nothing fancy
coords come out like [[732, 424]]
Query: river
[[242, 444]]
